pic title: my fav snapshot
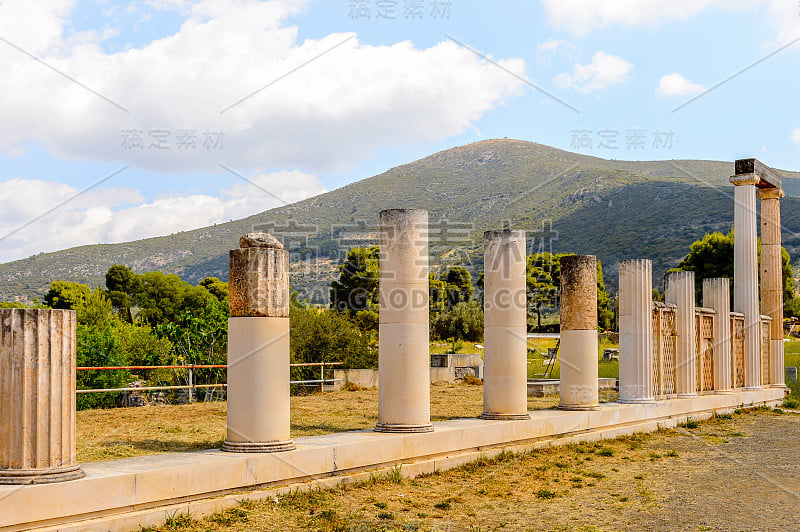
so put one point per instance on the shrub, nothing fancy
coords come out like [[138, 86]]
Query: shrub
[[463, 322]]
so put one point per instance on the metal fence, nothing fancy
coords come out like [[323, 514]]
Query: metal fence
[[191, 386]]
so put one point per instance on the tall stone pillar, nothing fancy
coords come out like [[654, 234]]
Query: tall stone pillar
[[505, 383], [717, 296], [745, 274], [37, 396], [403, 349], [680, 292], [258, 347], [579, 346], [636, 331], [772, 278]]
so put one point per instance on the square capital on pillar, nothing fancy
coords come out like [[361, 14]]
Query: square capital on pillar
[[753, 171]]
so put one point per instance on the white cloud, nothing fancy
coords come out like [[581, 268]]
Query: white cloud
[[110, 215], [676, 85], [796, 136], [326, 116], [582, 16], [604, 70]]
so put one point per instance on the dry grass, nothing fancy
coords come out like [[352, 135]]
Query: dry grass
[[125, 432], [669, 480]]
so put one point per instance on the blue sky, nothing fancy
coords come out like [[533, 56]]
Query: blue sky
[[333, 91]]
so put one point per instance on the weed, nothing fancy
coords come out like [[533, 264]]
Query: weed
[[386, 515], [723, 416], [791, 402], [593, 474], [328, 515], [605, 451], [444, 505], [229, 517], [546, 494], [472, 380], [690, 423], [672, 453], [381, 505], [639, 477]]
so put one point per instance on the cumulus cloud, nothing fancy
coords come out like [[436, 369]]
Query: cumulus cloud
[[676, 85], [604, 70], [321, 105], [796, 136], [110, 215], [582, 16]]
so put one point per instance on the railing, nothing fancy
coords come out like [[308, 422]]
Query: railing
[[191, 386], [737, 349], [765, 323], [704, 334], [664, 349]]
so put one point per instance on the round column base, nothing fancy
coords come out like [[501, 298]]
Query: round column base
[[723, 392], [753, 388], [644, 401], [400, 428], [257, 446], [40, 476], [579, 407], [498, 416]]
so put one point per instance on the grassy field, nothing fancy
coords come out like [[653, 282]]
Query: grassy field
[[125, 432], [664, 481]]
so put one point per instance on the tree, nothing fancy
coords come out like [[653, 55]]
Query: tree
[[66, 294], [712, 256], [357, 287], [217, 288], [163, 298], [95, 310], [459, 284], [121, 283]]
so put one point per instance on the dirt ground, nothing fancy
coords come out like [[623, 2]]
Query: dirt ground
[[731, 473], [124, 432]]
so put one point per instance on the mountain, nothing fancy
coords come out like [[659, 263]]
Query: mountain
[[567, 202]]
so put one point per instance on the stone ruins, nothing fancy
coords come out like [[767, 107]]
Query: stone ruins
[[676, 361]]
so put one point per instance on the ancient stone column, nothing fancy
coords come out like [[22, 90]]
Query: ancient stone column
[[505, 382], [745, 274], [679, 291], [37, 396], [636, 331], [403, 349], [578, 352], [717, 296], [258, 347], [772, 278]]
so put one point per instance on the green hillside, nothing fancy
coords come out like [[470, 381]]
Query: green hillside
[[614, 209]]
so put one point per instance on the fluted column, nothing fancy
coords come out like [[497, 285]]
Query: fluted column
[[680, 292], [37, 396], [772, 278], [403, 349], [258, 347], [636, 331], [745, 274], [717, 296], [578, 353], [505, 382]]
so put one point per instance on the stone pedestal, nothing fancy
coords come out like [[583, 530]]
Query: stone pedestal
[[745, 274], [505, 383], [258, 347], [578, 356], [680, 292], [37, 396], [717, 296], [636, 331], [403, 348], [772, 278]]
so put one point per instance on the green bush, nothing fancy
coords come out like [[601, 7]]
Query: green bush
[[463, 322], [98, 347], [321, 335]]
